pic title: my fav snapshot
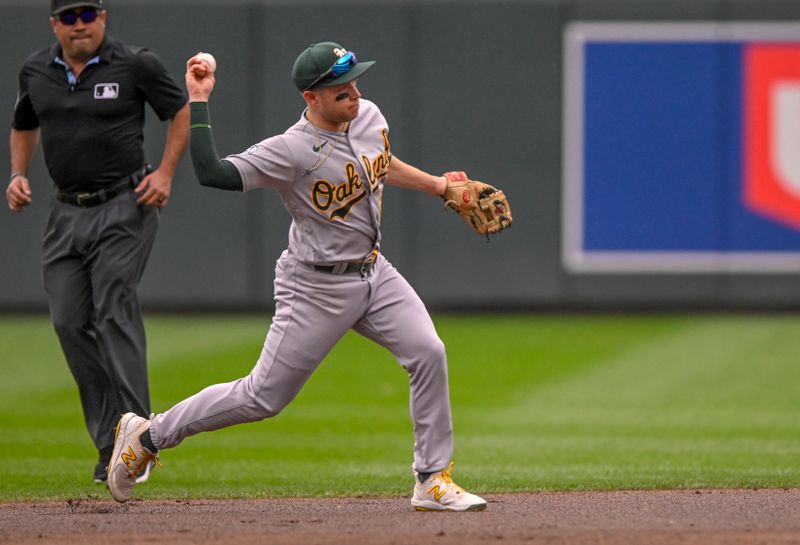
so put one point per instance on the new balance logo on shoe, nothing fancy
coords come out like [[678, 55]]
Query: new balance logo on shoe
[[440, 493], [128, 457], [437, 492]]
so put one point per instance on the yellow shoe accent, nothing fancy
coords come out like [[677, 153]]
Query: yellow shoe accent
[[440, 493]]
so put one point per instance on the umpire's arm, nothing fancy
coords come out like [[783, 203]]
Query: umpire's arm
[[22, 144], [155, 189]]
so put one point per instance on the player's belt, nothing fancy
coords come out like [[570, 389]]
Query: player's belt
[[348, 267], [105, 194]]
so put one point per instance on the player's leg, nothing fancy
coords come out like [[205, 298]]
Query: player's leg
[[68, 289], [399, 321], [313, 310]]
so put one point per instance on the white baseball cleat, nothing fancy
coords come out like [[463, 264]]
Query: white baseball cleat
[[440, 493], [130, 460]]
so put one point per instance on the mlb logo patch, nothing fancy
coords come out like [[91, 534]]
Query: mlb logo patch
[[106, 91]]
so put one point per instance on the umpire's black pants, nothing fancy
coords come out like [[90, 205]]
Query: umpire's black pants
[[93, 259]]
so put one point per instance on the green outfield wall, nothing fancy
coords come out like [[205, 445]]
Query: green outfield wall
[[474, 85]]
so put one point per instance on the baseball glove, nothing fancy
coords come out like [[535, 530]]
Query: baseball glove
[[482, 206]]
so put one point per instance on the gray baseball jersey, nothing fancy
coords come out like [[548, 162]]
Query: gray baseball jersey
[[332, 185]]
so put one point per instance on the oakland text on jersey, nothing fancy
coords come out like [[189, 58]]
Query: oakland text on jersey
[[339, 199], [324, 194], [379, 167]]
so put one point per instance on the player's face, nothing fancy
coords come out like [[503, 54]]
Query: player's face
[[339, 103], [80, 41]]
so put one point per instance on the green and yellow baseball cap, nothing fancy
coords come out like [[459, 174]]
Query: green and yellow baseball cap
[[326, 64]]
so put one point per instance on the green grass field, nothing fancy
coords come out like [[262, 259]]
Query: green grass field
[[564, 402]]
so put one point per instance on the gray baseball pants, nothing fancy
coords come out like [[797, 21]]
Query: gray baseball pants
[[313, 311], [93, 259]]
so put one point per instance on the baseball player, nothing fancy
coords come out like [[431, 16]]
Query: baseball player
[[330, 169]]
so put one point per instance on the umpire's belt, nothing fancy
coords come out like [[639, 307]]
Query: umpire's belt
[[346, 267], [100, 196]]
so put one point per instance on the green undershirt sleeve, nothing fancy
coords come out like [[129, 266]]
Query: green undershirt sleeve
[[211, 171]]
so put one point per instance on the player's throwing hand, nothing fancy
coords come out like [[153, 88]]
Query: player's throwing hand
[[200, 79]]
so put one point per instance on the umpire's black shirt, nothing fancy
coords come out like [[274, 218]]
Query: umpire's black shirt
[[92, 126]]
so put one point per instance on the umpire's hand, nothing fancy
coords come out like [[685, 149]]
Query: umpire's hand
[[18, 193], [154, 189]]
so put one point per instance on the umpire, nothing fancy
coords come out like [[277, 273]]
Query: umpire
[[85, 97]]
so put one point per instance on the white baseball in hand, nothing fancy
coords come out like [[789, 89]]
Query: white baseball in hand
[[209, 59]]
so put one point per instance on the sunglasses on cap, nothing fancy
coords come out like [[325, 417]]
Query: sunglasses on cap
[[88, 15], [341, 67]]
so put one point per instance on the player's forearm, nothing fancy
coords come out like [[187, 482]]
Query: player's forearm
[[409, 177], [177, 140], [210, 170], [22, 144]]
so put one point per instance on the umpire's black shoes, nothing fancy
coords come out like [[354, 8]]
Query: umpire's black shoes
[[101, 472]]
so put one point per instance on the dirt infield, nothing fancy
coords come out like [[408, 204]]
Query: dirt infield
[[707, 517]]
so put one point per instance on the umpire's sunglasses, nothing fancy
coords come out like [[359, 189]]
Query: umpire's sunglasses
[[339, 68], [88, 15]]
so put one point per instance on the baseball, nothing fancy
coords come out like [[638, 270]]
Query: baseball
[[209, 59]]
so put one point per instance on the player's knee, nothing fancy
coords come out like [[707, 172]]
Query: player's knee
[[263, 409], [432, 352]]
